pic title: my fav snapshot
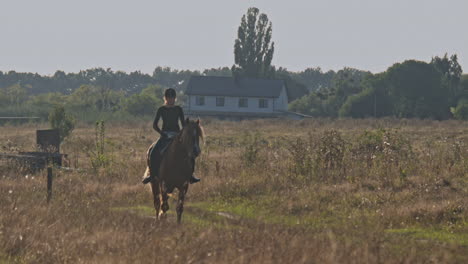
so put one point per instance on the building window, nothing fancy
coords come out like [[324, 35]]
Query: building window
[[219, 101], [262, 103], [243, 102], [200, 100]]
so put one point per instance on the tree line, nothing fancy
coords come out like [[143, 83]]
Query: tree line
[[116, 94], [410, 89]]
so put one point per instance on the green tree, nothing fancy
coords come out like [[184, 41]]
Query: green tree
[[253, 49], [62, 121], [224, 72], [83, 97], [294, 89], [464, 87], [359, 105], [327, 101], [314, 78], [461, 110], [452, 72], [168, 77], [372, 101], [345, 83], [141, 105], [310, 104], [16, 94], [155, 91], [417, 90], [3, 99], [42, 104]]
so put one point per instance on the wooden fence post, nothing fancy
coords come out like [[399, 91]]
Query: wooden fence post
[[49, 184]]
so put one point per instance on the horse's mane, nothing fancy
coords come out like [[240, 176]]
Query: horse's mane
[[201, 132], [198, 126]]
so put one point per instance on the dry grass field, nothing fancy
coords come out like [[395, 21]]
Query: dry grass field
[[272, 191]]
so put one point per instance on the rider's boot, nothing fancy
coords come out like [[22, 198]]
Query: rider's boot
[[153, 174]]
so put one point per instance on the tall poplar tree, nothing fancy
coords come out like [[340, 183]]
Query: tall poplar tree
[[253, 49]]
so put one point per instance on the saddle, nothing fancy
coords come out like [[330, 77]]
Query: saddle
[[167, 141], [161, 145]]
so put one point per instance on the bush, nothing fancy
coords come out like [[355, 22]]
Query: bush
[[251, 146], [382, 146], [461, 111], [301, 156], [98, 157], [331, 150], [383, 155]]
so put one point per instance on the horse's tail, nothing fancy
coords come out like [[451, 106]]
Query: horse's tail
[[147, 172], [148, 154]]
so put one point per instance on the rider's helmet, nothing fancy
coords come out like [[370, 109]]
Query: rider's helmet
[[170, 93]]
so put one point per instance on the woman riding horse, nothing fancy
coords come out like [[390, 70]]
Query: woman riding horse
[[170, 114], [176, 168]]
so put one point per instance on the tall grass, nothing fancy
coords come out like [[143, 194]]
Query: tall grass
[[320, 191]]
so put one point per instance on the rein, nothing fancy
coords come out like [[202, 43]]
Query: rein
[[184, 136]]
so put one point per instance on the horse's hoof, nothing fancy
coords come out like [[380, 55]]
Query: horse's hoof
[[162, 215]]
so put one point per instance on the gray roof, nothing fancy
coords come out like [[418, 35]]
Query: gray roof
[[228, 86]]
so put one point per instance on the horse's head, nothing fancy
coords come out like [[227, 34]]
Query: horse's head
[[191, 135]]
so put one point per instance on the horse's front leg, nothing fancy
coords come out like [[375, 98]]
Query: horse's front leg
[[180, 202], [156, 197], [165, 198]]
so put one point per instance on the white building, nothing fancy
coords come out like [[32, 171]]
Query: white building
[[236, 97]]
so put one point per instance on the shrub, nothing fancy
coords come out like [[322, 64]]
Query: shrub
[[331, 150], [301, 156], [387, 154], [461, 111], [250, 145], [98, 157], [381, 143]]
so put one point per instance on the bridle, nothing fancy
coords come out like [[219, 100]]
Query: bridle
[[194, 150]]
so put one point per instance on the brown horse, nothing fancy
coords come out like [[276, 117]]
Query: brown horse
[[176, 168]]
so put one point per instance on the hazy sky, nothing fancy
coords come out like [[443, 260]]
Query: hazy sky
[[47, 35]]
